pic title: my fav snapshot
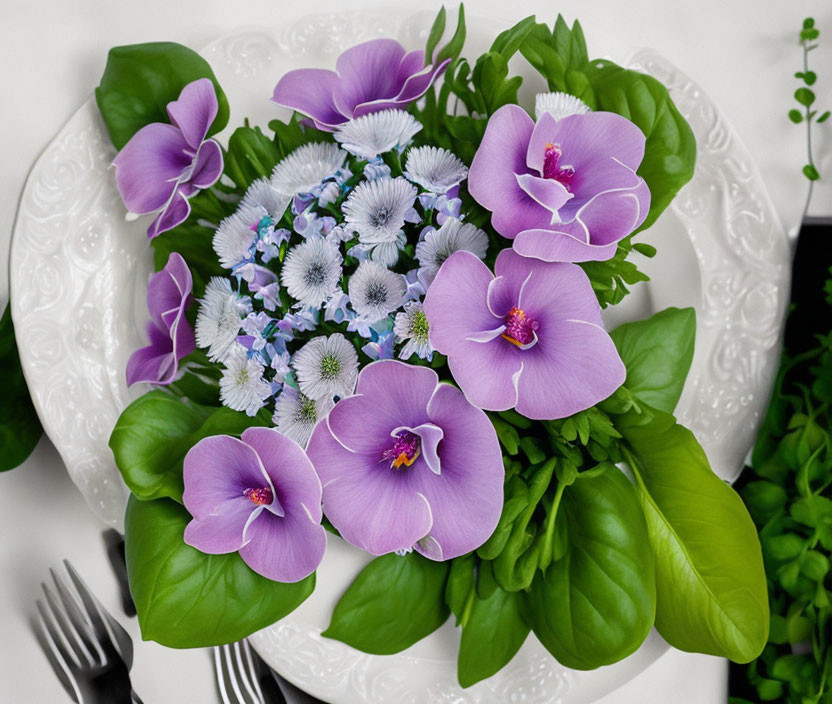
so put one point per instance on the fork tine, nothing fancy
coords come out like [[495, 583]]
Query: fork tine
[[78, 625], [250, 668], [97, 616], [62, 631], [54, 653], [222, 676], [246, 675], [233, 673]]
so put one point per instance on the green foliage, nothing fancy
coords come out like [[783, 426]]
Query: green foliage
[[492, 632], [596, 603], [19, 424], [187, 599], [250, 155], [805, 97], [787, 491], [658, 352], [154, 433], [711, 585], [394, 602], [141, 79]]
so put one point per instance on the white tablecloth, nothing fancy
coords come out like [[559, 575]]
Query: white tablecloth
[[52, 53]]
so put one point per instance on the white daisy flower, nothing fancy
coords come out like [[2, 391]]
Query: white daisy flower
[[411, 327], [378, 210], [376, 291], [440, 244], [434, 169], [242, 386], [234, 237], [326, 367], [262, 194], [306, 167], [311, 271], [295, 415], [559, 104], [220, 316], [371, 135]]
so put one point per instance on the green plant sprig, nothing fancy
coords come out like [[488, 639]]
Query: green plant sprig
[[805, 96]]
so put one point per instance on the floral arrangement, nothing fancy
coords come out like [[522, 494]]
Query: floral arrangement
[[382, 319]]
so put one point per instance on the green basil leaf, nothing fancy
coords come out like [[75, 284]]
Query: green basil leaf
[[393, 602], [20, 427], [141, 79], [657, 353], [154, 433], [188, 599], [596, 604], [711, 583], [491, 636], [251, 155]]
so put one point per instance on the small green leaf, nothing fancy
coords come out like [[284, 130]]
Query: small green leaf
[[509, 41], [784, 547], [20, 427], [437, 29], [824, 117], [809, 23], [491, 636], [711, 584], [141, 79], [808, 35], [796, 116], [393, 602], [763, 499], [657, 353], [647, 250], [154, 433], [453, 48], [810, 77], [596, 604], [187, 599], [804, 96], [810, 172]]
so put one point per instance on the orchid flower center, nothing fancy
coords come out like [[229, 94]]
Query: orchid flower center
[[520, 329], [552, 168], [259, 497], [403, 452]]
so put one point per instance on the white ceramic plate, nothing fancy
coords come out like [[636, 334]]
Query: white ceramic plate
[[78, 277]]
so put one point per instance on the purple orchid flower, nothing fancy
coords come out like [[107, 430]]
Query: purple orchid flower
[[165, 164], [376, 75], [529, 338], [407, 463], [171, 337], [258, 496], [563, 190]]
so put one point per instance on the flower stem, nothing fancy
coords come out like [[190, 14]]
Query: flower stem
[[804, 43]]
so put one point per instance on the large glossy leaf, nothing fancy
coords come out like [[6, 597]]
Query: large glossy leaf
[[657, 353], [187, 599], [595, 604], [141, 79], [492, 634], [19, 424], [711, 586], [154, 433], [392, 603]]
